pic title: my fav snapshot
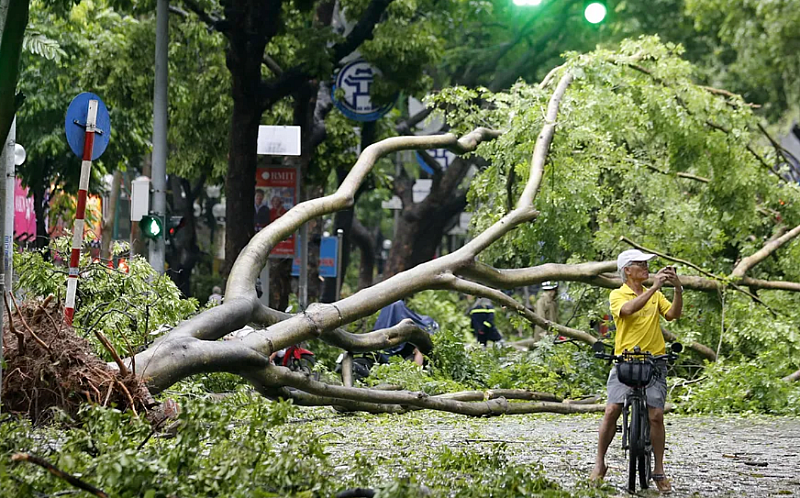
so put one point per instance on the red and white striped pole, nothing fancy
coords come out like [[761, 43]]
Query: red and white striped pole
[[77, 229]]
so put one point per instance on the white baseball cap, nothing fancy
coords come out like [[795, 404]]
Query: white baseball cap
[[632, 255]]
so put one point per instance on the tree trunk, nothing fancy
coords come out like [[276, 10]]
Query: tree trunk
[[366, 245], [344, 219], [280, 283], [183, 251], [12, 31], [108, 223], [421, 226], [240, 186], [39, 207], [138, 244]]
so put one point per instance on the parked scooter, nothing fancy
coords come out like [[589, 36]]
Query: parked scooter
[[297, 359]]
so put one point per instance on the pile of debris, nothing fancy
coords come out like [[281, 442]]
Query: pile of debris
[[47, 366]]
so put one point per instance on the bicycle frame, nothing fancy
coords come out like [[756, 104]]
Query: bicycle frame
[[640, 454]]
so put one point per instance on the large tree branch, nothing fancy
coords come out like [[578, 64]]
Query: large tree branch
[[691, 265], [253, 257], [10, 52], [750, 261], [502, 299], [543, 142], [363, 30], [404, 127], [405, 331], [284, 377], [704, 351], [509, 279], [596, 273], [792, 377]]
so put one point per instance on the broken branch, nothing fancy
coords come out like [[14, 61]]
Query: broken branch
[[750, 261], [27, 457]]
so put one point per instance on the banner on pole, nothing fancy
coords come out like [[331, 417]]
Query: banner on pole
[[275, 195], [24, 215]]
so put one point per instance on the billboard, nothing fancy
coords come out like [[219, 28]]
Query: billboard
[[275, 195], [24, 215]]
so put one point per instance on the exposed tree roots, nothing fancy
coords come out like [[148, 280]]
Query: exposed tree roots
[[48, 366]]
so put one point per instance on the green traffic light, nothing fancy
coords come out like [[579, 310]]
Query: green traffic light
[[595, 12], [151, 227]]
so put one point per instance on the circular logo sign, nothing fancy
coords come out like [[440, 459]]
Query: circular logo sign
[[355, 79]]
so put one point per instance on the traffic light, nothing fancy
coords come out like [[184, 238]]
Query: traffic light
[[595, 12], [175, 224], [152, 226]]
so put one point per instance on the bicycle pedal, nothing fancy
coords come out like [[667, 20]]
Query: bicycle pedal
[[618, 429]]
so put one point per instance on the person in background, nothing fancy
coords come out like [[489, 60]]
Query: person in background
[[482, 317], [546, 307], [216, 295], [277, 210], [393, 314], [262, 215]]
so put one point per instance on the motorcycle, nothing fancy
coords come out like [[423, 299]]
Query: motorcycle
[[298, 359]]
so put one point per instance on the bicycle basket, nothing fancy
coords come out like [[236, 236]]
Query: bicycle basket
[[635, 373]]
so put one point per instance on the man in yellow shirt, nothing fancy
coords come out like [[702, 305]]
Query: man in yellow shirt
[[637, 311]]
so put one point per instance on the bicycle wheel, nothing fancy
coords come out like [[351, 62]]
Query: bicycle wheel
[[646, 459], [644, 469], [635, 445]]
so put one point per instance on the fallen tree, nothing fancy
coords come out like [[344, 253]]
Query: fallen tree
[[193, 347]]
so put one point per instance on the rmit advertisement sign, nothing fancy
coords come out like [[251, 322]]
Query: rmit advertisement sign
[[275, 196]]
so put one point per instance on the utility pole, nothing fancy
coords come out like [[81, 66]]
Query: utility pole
[[159, 171], [6, 162], [9, 169]]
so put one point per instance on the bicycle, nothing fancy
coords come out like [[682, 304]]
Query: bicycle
[[636, 369]]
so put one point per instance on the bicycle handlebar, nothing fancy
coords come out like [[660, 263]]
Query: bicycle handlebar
[[599, 353]]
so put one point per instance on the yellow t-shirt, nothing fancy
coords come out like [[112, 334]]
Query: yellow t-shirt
[[641, 328]]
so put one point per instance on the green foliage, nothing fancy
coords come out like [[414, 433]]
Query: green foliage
[[758, 47], [128, 308], [468, 473], [244, 445], [221, 449], [410, 376], [742, 386], [563, 369], [444, 307]]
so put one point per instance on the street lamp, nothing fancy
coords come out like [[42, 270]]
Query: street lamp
[[19, 155], [595, 12]]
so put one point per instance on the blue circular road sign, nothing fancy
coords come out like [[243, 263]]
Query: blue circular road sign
[[355, 79], [75, 125]]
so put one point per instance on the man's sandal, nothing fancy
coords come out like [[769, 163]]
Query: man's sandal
[[662, 483]]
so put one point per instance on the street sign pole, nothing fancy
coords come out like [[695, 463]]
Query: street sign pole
[[159, 171], [6, 159], [339, 237], [88, 140], [77, 229], [285, 141], [303, 286], [11, 174]]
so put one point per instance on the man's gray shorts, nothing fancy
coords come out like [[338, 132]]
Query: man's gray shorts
[[656, 390]]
